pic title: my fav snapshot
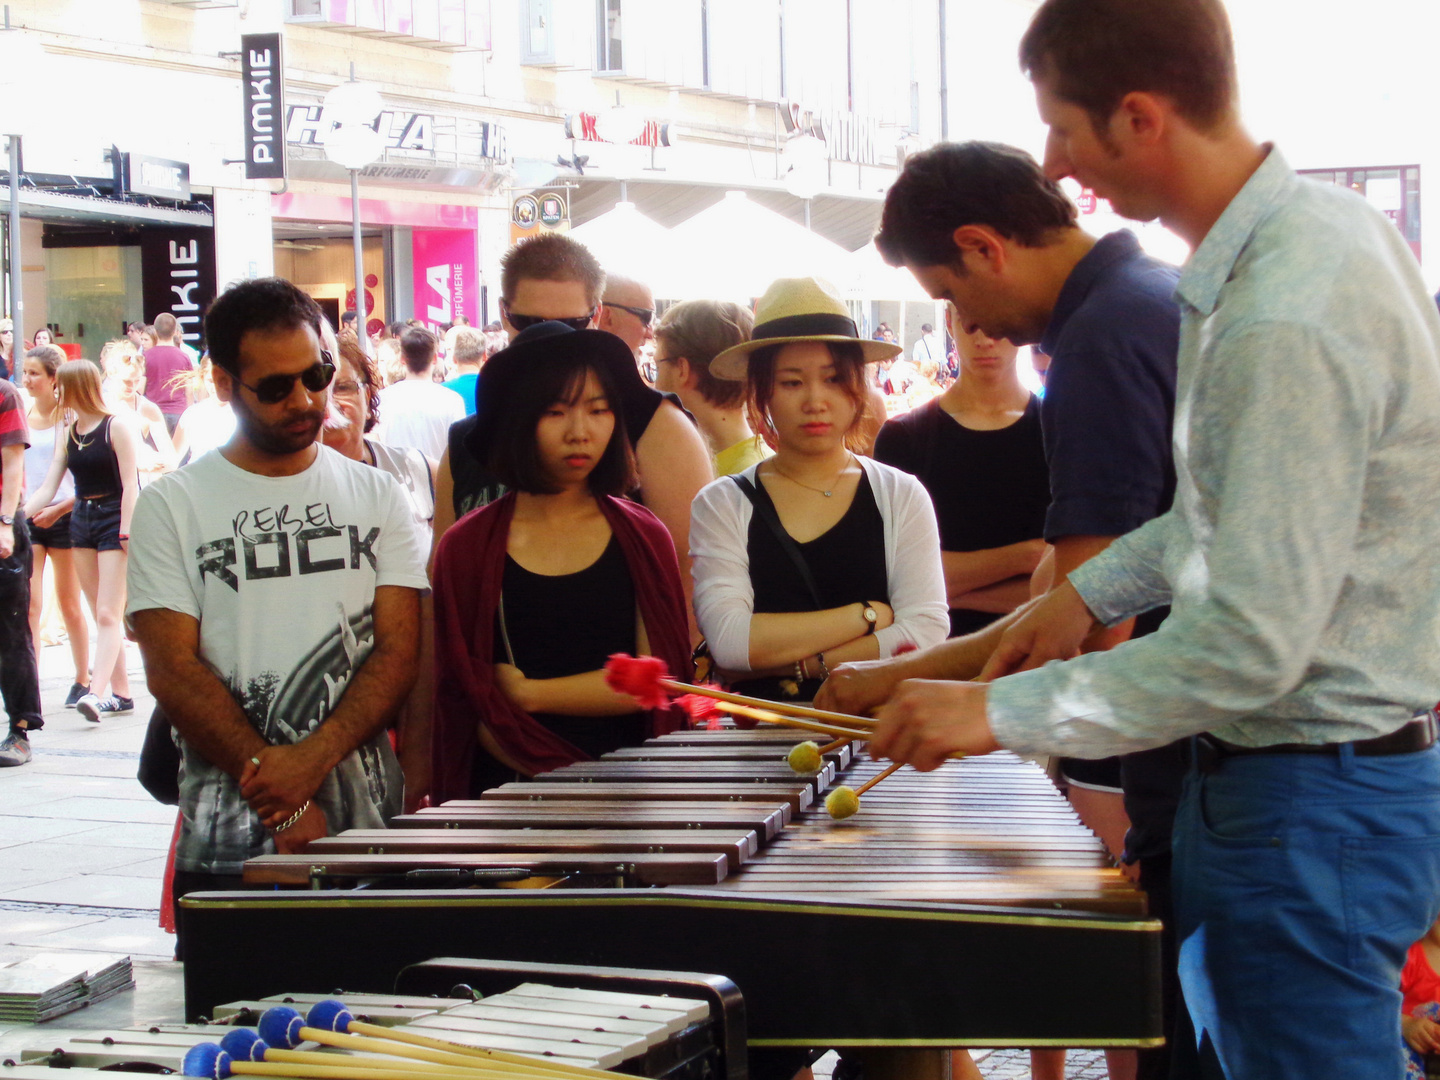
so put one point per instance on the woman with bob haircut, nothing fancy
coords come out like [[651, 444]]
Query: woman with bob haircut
[[100, 451], [814, 556], [536, 590]]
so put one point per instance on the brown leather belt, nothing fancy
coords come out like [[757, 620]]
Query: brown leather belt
[[1419, 734]]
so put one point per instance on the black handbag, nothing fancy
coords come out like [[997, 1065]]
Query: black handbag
[[159, 772]]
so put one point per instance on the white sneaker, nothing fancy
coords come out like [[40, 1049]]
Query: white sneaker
[[15, 750], [91, 708]]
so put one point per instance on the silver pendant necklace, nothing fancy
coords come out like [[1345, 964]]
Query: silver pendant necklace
[[819, 491]]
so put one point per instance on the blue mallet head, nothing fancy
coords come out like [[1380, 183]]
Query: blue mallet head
[[243, 1044], [280, 1027], [329, 1015], [206, 1060]]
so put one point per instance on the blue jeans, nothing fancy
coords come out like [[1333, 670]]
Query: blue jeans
[[1300, 882]]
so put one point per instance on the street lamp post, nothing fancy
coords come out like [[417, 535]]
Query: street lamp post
[[19, 62], [804, 163], [353, 143]]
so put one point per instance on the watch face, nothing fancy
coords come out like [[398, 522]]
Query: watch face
[[870, 615]]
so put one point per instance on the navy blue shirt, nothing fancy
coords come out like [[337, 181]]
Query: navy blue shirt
[[1110, 392], [1106, 416]]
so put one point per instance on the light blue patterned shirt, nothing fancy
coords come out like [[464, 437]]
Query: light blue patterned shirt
[[1302, 555]]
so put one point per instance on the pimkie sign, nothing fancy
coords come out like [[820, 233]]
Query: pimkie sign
[[262, 77]]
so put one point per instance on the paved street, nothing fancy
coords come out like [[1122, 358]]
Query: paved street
[[82, 847]]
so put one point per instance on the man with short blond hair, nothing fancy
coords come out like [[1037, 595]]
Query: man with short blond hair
[[467, 354]]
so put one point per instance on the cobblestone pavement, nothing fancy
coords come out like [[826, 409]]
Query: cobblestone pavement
[[1011, 1065]]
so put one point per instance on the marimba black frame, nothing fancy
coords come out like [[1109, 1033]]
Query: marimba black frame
[[813, 972]]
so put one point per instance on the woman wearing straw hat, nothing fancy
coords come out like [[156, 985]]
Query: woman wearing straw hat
[[815, 556]]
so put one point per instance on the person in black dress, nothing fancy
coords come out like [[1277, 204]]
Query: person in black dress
[[978, 450]]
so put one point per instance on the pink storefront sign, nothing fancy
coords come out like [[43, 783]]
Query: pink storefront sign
[[446, 275]]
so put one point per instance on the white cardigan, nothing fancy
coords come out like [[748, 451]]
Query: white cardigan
[[725, 597]]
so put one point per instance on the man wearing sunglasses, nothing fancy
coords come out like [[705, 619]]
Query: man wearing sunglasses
[[627, 311], [274, 588]]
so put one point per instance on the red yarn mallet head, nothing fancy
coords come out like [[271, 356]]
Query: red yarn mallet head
[[638, 676]]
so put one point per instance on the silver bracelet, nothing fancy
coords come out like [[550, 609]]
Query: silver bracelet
[[824, 669], [295, 817]]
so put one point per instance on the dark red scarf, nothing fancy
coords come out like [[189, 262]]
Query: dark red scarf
[[469, 569]]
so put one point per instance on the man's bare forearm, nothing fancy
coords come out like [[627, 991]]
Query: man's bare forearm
[[195, 701], [963, 657]]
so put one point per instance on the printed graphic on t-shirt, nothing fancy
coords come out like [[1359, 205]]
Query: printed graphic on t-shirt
[[281, 541]]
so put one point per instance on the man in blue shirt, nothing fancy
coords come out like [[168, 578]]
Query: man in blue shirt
[[467, 353], [980, 226], [1299, 561]]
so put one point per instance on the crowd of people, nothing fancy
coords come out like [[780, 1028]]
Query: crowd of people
[[1218, 516]]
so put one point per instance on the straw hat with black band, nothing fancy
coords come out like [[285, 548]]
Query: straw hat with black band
[[798, 309], [544, 343]]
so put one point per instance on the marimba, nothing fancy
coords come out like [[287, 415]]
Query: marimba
[[927, 920]]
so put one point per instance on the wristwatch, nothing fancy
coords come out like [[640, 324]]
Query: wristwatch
[[870, 616], [7, 519]]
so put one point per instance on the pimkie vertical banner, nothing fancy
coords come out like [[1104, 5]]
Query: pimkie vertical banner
[[262, 79], [177, 274], [446, 276]]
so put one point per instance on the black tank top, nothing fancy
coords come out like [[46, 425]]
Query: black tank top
[[92, 462], [847, 564], [567, 624]]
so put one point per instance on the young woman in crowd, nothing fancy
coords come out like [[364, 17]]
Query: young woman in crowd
[[7, 348], [125, 385], [534, 591], [355, 393], [100, 450], [815, 556], [50, 525], [977, 449], [42, 337]]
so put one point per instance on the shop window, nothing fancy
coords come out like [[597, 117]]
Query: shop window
[[607, 36], [537, 32], [1393, 190]]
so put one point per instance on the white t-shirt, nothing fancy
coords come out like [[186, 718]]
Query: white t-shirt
[[208, 424], [417, 413], [281, 572], [925, 351]]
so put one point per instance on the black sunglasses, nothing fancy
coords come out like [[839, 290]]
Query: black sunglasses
[[276, 388], [644, 314], [524, 322]]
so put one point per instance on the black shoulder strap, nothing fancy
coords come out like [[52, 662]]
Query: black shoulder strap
[[766, 510]]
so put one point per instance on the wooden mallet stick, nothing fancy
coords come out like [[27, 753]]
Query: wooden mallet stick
[[769, 717], [209, 1061], [331, 1023], [245, 1045], [645, 678], [842, 802]]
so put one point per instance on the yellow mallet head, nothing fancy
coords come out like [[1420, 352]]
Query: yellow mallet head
[[842, 803], [805, 758]]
